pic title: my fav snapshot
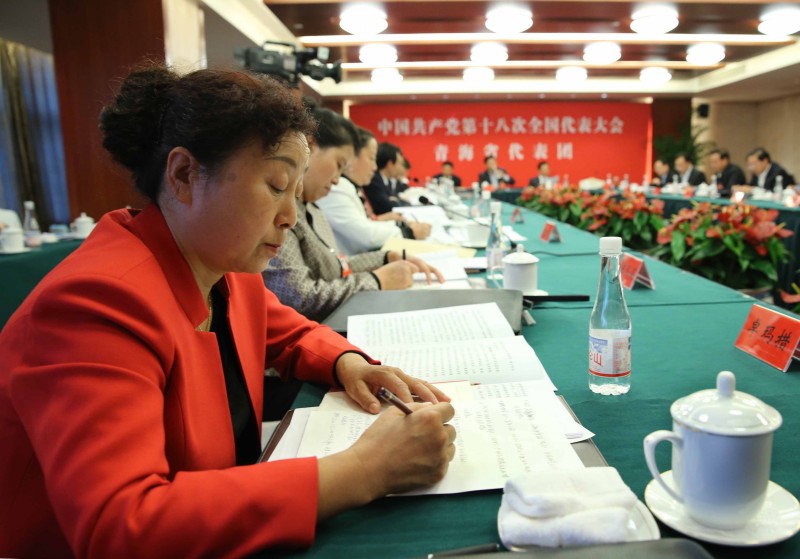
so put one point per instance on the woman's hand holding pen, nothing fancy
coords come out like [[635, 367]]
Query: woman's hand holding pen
[[362, 380], [431, 272]]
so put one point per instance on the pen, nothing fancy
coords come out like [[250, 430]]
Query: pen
[[474, 550], [387, 396]]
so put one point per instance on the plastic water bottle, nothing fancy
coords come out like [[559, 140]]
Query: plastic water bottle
[[610, 327], [496, 246], [778, 193], [475, 202], [626, 182], [30, 225], [485, 206]]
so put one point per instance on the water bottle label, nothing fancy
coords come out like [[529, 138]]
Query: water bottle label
[[610, 356]]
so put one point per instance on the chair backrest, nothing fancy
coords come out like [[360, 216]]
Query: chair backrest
[[10, 218]]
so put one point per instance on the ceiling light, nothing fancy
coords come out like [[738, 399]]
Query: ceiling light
[[602, 53], [780, 21], [509, 18], [571, 74], [654, 19], [377, 54], [478, 74], [363, 19], [705, 54], [655, 75], [489, 53], [386, 76]]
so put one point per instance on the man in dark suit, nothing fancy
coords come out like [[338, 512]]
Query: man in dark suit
[[447, 173], [543, 178], [382, 191], [494, 175], [765, 171], [727, 174], [687, 174], [661, 173]]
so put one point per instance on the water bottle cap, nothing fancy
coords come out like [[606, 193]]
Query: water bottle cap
[[28, 204], [496, 207], [486, 195], [610, 246]]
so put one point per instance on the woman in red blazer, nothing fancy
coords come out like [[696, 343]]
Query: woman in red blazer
[[131, 377]]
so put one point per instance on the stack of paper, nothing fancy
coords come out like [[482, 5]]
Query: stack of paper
[[448, 263]]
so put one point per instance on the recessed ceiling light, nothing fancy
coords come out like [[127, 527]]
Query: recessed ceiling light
[[363, 19], [604, 96], [478, 74], [655, 75], [780, 21], [509, 18], [489, 53], [571, 74], [705, 54], [541, 96], [654, 19], [386, 76], [377, 54], [603, 52]]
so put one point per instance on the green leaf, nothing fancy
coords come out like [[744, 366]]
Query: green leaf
[[765, 268], [640, 219], [678, 245]]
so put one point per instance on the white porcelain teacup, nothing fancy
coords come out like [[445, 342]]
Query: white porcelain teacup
[[83, 225], [721, 454], [520, 272], [12, 239]]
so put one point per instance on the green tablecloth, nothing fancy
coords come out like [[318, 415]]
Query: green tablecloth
[[683, 335], [21, 272]]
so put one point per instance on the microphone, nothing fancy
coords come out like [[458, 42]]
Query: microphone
[[425, 201]]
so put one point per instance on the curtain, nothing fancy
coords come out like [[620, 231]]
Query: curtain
[[31, 147]]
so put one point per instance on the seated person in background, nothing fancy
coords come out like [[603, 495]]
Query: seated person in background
[[493, 175], [381, 192], [727, 174], [544, 177], [403, 180], [447, 173], [661, 173], [687, 174], [347, 214], [310, 274], [764, 170], [131, 377]]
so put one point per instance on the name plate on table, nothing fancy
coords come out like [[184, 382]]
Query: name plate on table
[[550, 233], [770, 336], [516, 216], [634, 270]]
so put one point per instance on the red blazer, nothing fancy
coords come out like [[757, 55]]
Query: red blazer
[[115, 431]]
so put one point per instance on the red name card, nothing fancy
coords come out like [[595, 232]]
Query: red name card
[[634, 270], [516, 216], [770, 336], [550, 233]]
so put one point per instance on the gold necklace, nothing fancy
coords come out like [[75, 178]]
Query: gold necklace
[[205, 326]]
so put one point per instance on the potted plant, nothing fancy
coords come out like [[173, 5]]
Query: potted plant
[[630, 216], [737, 245], [564, 203]]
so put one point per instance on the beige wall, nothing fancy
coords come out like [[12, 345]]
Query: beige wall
[[739, 127]]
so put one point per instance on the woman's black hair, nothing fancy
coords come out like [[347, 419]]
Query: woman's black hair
[[211, 113], [333, 130]]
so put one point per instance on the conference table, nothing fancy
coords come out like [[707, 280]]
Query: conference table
[[683, 335], [673, 203]]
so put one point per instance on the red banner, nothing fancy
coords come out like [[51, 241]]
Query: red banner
[[579, 139]]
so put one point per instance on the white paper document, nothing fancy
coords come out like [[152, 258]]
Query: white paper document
[[449, 265], [512, 235], [489, 361], [434, 215], [497, 439], [447, 324]]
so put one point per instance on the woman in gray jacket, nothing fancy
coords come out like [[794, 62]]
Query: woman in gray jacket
[[310, 273]]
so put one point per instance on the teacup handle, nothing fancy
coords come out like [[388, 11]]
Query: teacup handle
[[650, 443], [493, 277]]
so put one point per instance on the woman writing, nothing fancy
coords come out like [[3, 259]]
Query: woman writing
[[311, 274], [130, 384]]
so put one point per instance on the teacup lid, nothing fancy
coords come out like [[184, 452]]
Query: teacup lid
[[726, 411], [520, 258], [84, 218]]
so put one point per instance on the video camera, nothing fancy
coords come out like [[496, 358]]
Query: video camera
[[289, 63]]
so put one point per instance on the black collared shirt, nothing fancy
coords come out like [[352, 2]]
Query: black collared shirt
[[245, 429]]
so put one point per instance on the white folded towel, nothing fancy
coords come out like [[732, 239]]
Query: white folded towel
[[594, 526], [549, 493]]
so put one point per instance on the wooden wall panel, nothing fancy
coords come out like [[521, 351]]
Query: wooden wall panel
[[95, 42]]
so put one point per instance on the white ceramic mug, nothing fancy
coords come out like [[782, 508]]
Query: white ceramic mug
[[12, 239], [83, 225], [520, 272], [720, 460]]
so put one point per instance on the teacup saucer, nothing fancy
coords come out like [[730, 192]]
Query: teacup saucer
[[18, 251], [778, 519]]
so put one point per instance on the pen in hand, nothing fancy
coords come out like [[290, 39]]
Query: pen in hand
[[387, 396]]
